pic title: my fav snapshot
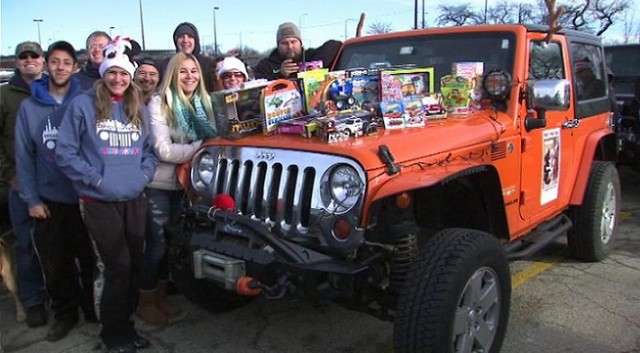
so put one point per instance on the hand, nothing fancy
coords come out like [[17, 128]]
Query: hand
[[14, 182], [288, 67], [40, 211]]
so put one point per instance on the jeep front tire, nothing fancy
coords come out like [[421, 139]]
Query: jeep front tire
[[456, 297]]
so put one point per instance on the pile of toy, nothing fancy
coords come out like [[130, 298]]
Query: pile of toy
[[339, 105]]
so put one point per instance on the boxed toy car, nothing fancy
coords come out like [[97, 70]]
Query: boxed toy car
[[365, 85], [241, 108], [282, 101], [392, 115], [304, 126], [414, 113]]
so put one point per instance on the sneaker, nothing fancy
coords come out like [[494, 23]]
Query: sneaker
[[60, 329], [141, 342], [36, 316], [126, 348]]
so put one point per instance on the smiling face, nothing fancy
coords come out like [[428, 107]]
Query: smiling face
[[188, 77], [232, 79], [95, 45], [186, 43], [147, 77], [30, 64], [117, 80], [61, 67]]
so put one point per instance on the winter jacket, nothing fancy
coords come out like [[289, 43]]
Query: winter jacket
[[269, 67], [88, 75], [206, 63], [11, 95], [107, 161], [170, 146], [36, 132]]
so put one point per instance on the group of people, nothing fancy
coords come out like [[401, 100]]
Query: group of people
[[90, 157]]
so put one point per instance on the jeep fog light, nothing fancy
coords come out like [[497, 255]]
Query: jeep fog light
[[206, 167], [344, 187]]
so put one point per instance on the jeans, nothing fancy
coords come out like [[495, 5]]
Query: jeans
[[30, 281], [164, 206]]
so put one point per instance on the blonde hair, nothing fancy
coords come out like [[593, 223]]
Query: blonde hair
[[171, 84], [130, 102]]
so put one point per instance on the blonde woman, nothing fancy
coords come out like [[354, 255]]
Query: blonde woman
[[181, 117]]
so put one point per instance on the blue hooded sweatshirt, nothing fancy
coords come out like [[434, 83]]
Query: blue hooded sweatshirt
[[36, 134], [109, 161]]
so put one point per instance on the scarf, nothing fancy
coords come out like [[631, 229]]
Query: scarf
[[194, 124]]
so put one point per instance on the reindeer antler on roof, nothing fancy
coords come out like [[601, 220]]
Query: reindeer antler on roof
[[554, 15], [360, 25]]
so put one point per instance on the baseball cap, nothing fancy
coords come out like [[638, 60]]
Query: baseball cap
[[32, 47], [64, 46]]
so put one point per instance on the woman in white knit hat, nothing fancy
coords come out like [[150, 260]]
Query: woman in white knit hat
[[232, 73]]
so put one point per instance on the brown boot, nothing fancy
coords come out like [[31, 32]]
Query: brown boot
[[148, 309], [168, 308]]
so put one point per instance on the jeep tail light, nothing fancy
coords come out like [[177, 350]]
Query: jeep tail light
[[341, 229]]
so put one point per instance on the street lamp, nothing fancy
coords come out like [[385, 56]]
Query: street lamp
[[215, 34], [142, 26], [37, 21], [345, 26], [110, 28]]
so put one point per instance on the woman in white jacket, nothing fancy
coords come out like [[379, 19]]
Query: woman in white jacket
[[181, 117]]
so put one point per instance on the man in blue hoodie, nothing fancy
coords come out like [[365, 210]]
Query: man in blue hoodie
[[29, 64], [59, 235]]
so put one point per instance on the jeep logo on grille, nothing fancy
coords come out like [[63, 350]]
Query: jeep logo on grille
[[264, 155]]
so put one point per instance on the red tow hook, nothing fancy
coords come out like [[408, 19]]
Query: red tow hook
[[248, 286]]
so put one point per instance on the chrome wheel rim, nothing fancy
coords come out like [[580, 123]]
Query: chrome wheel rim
[[478, 314], [609, 208]]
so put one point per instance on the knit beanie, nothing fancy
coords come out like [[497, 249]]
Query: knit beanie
[[288, 30], [117, 53], [231, 63], [184, 28]]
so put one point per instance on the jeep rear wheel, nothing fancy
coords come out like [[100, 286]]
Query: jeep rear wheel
[[595, 222], [201, 292], [456, 297]]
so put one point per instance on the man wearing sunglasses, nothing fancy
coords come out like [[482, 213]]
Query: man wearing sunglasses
[[29, 65]]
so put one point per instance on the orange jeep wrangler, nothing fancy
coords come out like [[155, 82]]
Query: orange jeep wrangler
[[416, 225]]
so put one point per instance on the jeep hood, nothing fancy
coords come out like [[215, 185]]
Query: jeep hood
[[408, 144]]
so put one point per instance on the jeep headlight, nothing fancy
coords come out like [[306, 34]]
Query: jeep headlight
[[205, 167], [341, 188]]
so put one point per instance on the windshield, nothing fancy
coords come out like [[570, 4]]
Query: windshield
[[440, 51]]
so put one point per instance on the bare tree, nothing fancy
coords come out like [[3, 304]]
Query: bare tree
[[629, 26], [458, 15], [379, 28]]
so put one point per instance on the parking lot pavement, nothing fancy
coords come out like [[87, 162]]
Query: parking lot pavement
[[558, 305]]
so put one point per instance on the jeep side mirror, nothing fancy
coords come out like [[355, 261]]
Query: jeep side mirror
[[546, 95]]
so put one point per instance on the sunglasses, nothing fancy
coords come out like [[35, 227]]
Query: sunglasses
[[28, 55], [228, 75]]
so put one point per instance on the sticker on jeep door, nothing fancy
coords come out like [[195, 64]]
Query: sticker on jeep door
[[550, 165]]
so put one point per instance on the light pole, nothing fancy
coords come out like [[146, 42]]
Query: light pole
[[485, 11], [110, 28], [37, 21], [215, 31], [345, 26], [142, 26]]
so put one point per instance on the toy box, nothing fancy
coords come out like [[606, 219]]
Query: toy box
[[365, 83], [473, 72], [433, 106], [239, 110], [337, 92], [305, 126], [313, 86], [455, 94], [392, 115], [414, 113], [282, 101], [396, 84], [346, 125], [310, 65]]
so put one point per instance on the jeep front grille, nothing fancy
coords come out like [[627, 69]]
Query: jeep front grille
[[278, 187]]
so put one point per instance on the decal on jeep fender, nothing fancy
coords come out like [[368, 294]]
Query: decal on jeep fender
[[550, 165]]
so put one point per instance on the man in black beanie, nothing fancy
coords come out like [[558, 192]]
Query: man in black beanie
[[187, 40], [283, 60]]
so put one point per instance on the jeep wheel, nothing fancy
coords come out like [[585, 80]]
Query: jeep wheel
[[456, 297], [200, 292], [595, 221]]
